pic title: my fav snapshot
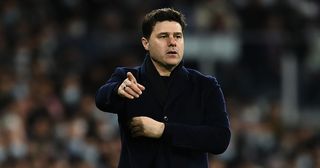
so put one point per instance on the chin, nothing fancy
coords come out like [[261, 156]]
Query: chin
[[172, 63], [173, 60]]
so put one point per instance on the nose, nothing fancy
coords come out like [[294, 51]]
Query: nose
[[172, 41]]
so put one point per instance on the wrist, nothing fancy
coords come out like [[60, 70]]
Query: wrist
[[161, 129]]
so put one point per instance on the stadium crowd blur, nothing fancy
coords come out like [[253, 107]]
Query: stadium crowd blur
[[55, 54]]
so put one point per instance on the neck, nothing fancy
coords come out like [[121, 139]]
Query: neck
[[163, 70]]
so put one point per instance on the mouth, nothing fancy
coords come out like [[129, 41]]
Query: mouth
[[172, 52]]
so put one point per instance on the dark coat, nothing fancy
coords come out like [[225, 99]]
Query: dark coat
[[195, 117]]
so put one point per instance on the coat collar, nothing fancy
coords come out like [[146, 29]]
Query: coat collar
[[178, 83]]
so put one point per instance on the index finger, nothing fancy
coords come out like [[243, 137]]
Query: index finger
[[131, 77]]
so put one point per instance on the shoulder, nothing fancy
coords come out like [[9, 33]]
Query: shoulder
[[120, 73], [124, 70]]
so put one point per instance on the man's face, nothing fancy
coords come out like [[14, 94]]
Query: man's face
[[166, 44]]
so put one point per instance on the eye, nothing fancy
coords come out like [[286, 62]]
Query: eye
[[178, 36], [163, 36]]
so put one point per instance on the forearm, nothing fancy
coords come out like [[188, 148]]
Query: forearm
[[211, 139], [107, 99]]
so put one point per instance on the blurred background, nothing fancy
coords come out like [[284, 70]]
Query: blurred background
[[54, 55]]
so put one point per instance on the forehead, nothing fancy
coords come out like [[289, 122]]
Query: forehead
[[167, 26]]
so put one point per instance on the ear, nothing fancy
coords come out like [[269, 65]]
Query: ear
[[145, 43]]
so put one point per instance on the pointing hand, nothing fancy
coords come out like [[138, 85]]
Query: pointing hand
[[130, 88]]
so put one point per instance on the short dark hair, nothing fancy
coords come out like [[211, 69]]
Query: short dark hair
[[160, 15]]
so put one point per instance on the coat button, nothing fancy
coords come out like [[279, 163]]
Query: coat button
[[165, 118]]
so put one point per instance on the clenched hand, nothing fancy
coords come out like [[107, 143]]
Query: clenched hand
[[146, 126]]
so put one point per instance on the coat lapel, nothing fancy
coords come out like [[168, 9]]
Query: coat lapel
[[178, 85], [152, 82]]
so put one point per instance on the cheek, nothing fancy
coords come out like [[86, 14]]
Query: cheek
[[158, 48], [181, 49], [181, 52]]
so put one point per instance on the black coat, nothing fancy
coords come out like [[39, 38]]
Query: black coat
[[194, 113]]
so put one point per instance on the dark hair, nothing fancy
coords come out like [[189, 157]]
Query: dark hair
[[160, 15]]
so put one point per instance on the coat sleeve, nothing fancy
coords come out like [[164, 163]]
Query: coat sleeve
[[213, 135], [106, 97]]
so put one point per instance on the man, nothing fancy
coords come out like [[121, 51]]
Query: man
[[169, 116]]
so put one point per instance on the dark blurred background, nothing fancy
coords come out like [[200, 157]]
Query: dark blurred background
[[55, 54]]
